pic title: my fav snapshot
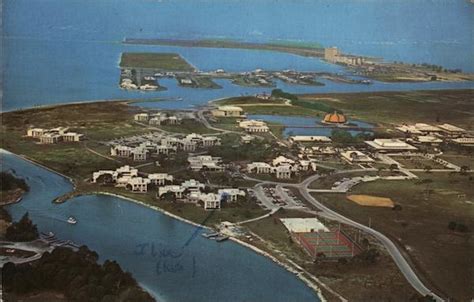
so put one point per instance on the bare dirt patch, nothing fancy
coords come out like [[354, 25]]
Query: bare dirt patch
[[371, 201]]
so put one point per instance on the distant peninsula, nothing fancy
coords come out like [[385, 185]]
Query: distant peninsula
[[368, 67], [306, 49]]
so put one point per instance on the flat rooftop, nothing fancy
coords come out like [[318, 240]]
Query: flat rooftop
[[303, 225], [389, 144]]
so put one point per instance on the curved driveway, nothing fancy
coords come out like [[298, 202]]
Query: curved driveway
[[392, 249]]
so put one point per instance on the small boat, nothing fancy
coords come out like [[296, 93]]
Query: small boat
[[221, 238], [71, 220], [209, 235]]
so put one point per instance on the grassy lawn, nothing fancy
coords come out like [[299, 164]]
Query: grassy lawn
[[249, 100], [253, 105], [460, 160], [227, 123], [282, 110], [326, 182], [446, 106], [422, 224], [418, 163], [272, 229], [158, 61], [356, 280], [98, 121]]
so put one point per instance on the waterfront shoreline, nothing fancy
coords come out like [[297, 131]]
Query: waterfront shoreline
[[286, 266], [255, 249]]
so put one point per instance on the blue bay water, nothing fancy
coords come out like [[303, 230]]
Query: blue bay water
[[63, 51], [57, 51], [297, 125], [182, 266]]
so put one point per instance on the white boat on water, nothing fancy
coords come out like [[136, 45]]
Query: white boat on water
[[71, 220]]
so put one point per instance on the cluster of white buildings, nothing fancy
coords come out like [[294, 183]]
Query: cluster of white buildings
[[252, 126], [282, 167], [313, 151], [421, 133], [192, 191], [127, 177], [426, 129], [333, 55], [157, 118], [389, 145], [205, 162], [54, 135], [355, 156], [127, 83], [162, 144]]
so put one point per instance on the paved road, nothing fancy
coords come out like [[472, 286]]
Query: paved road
[[392, 249], [205, 122]]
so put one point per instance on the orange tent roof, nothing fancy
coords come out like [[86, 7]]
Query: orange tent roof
[[335, 117]]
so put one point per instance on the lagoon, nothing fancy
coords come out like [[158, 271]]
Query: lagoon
[[298, 125], [167, 257]]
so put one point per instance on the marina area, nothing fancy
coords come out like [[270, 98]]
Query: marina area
[[103, 84]]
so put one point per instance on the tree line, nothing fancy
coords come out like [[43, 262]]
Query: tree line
[[9, 182], [76, 274]]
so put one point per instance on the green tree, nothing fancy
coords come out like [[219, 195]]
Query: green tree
[[23, 230]]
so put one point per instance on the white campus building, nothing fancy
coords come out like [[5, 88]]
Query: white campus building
[[157, 118], [205, 162], [354, 156], [192, 191], [252, 126], [228, 111], [390, 144], [177, 191], [232, 194], [303, 225], [54, 135], [259, 168], [451, 129], [464, 141], [141, 149], [160, 178], [127, 177], [282, 167]]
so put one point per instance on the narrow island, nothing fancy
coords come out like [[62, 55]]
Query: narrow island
[[359, 65]]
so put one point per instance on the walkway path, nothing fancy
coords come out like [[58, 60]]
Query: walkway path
[[273, 211], [101, 155]]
